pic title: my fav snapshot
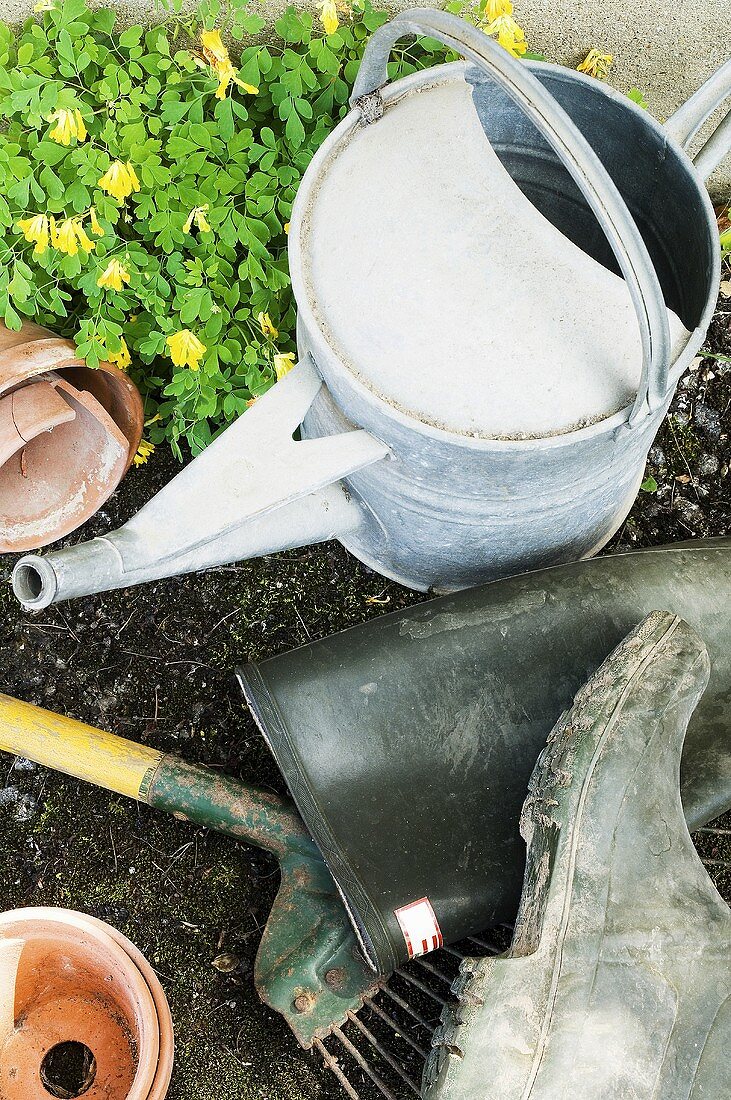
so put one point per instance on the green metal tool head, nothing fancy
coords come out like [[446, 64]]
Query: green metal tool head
[[309, 966]]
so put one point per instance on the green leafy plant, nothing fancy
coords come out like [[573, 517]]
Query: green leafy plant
[[147, 180], [137, 205]]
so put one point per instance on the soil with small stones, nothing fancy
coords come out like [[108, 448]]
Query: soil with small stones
[[156, 664]]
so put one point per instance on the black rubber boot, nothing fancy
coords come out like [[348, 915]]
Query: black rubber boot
[[618, 983], [408, 742]]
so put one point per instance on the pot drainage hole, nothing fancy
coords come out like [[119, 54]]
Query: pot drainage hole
[[68, 1070]]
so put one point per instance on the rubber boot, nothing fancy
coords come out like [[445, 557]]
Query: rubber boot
[[617, 985]]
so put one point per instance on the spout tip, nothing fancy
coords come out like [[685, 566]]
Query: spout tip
[[34, 582]]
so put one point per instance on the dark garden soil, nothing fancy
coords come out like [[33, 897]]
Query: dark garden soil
[[155, 664]]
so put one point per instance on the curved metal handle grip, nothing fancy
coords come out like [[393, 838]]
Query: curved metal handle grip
[[577, 156], [688, 119]]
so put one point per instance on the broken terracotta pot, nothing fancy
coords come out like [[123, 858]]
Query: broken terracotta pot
[[67, 436], [81, 1012]]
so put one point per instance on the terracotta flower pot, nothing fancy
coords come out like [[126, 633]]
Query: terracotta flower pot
[[67, 436], [81, 1012]]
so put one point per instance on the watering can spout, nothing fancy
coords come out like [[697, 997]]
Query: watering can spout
[[253, 491]]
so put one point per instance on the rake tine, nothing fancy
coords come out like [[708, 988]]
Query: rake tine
[[715, 830], [454, 951], [368, 1070], [398, 1029], [717, 862], [406, 1007], [490, 947], [422, 986], [383, 1053], [332, 1064], [434, 970]]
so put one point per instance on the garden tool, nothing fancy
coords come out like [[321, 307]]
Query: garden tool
[[68, 435], [408, 742], [446, 442], [618, 980], [308, 966], [371, 1031], [82, 1011]]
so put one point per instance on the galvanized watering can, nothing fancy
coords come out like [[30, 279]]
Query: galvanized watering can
[[477, 387]]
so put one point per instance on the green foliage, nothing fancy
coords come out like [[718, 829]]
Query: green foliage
[[637, 97], [726, 238], [149, 98]]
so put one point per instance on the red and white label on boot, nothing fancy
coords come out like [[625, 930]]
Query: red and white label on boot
[[420, 927]]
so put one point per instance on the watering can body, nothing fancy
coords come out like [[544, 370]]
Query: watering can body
[[448, 510], [408, 742], [426, 504]]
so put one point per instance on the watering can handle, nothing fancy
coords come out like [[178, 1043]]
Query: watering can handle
[[576, 154], [688, 119]]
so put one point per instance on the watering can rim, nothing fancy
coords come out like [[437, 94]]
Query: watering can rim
[[392, 93]]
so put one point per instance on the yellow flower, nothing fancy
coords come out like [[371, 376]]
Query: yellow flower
[[218, 58], [68, 235], [509, 35], [95, 227], [266, 326], [121, 358], [86, 243], [197, 215], [283, 364], [44, 5], [596, 64], [286, 228], [144, 451], [213, 48], [186, 350], [63, 236], [495, 8], [68, 124], [115, 276], [329, 15], [120, 180], [35, 230]]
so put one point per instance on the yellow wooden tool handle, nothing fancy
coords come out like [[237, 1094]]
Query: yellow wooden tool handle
[[77, 749]]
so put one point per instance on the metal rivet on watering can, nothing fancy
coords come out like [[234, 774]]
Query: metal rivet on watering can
[[67, 436], [488, 338], [81, 1011]]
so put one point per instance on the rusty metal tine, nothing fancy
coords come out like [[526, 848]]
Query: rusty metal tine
[[484, 945], [406, 1007], [717, 862], [431, 969], [422, 986], [454, 951], [383, 1053], [332, 1064], [714, 829], [382, 1015], [356, 1055]]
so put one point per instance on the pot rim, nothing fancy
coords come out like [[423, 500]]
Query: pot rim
[[151, 1081], [384, 410]]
